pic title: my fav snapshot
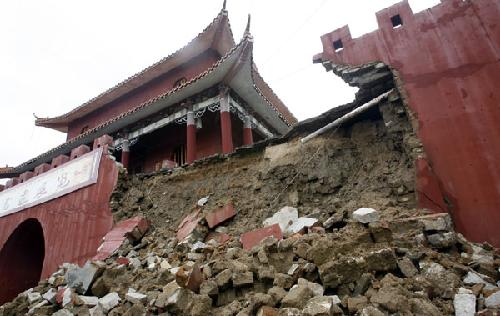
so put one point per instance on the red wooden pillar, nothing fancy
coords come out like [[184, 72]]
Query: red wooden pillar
[[125, 153], [191, 138], [225, 122], [247, 131]]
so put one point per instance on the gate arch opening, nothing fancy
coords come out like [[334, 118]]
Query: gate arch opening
[[21, 259]]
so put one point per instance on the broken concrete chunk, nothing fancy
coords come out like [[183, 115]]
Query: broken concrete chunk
[[134, 297], [464, 303], [355, 304], [222, 279], [365, 215], [88, 300], [209, 287], [300, 224], [493, 301], [67, 296], [80, 279], [284, 218], [420, 306], [316, 288], [477, 278], [442, 240], [37, 308], [297, 296], [289, 312], [34, 297], [50, 295], [320, 306], [288, 220], [109, 301], [371, 311], [203, 201], [335, 219], [436, 222], [283, 280], [407, 267], [381, 260], [242, 278]]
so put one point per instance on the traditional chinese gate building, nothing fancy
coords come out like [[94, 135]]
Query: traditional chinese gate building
[[207, 98]]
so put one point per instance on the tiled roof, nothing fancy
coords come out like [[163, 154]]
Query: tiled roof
[[88, 136], [219, 24]]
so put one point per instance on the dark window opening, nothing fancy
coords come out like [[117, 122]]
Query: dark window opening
[[180, 82], [396, 21], [180, 155], [338, 45]]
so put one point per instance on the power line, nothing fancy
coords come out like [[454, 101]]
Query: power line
[[297, 30]]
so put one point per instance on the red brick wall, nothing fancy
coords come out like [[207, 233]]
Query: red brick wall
[[142, 94], [449, 60]]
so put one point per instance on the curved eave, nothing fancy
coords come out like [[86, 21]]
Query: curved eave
[[217, 35], [207, 79]]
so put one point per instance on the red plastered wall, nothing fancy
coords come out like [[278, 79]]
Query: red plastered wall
[[448, 58], [73, 225]]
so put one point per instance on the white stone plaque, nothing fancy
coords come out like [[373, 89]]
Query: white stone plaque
[[70, 176]]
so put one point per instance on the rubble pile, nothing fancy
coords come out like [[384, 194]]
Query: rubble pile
[[329, 227], [358, 262]]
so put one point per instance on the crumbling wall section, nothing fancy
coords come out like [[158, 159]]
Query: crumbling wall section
[[369, 161], [448, 59]]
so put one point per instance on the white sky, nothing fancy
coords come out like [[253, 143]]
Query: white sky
[[55, 55]]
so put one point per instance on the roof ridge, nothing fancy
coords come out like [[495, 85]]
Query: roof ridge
[[221, 13], [138, 107]]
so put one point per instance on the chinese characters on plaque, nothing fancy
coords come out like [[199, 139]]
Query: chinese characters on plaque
[[52, 184]]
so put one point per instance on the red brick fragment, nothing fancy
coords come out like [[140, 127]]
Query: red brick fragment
[[122, 260], [268, 311], [220, 215], [218, 237], [188, 224], [133, 228], [254, 237], [195, 279]]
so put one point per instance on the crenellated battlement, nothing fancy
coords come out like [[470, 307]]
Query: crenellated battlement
[[103, 141], [393, 21], [447, 61]]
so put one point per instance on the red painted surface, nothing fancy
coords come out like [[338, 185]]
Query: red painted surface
[[125, 158], [428, 188], [152, 89], [73, 225], [220, 215], [449, 60], [79, 151], [254, 237], [188, 224], [115, 238], [190, 143], [247, 136], [21, 259], [218, 237], [226, 132]]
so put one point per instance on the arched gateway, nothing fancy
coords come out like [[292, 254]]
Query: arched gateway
[[21, 259]]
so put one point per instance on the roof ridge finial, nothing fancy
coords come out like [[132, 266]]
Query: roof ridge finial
[[247, 29], [224, 5]]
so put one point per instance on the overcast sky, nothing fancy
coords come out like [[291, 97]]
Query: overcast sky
[[55, 55]]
